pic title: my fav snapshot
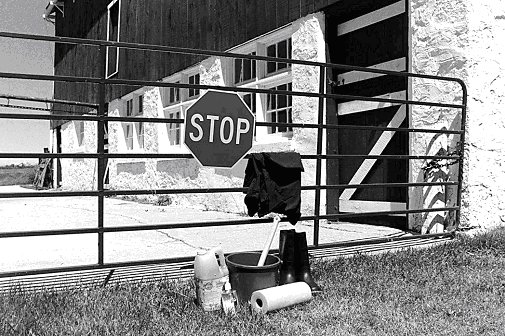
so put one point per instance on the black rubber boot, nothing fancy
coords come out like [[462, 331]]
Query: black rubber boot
[[287, 256], [302, 266]]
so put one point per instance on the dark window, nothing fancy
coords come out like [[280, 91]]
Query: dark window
[[141, 105], [245, 69], [129, 136], [140, 134], [129, 107], [173, 95], [170, 95], [113, 35], [280, 49], [195, 79], [174, 129], [79, 130], [279, 109], [250, 101]]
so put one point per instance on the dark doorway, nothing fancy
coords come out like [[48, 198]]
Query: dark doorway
[[369, 34]]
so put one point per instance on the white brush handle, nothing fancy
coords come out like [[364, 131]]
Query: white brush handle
[[266, 248]]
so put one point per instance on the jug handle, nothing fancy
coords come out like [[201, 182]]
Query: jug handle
[[219, 251]]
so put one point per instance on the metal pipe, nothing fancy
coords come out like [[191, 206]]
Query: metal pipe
[[210, 190], [101, 151], [462, 145], [101, 155], [47, 100], [189, 156], [181, 121], [185, 262], [319, 149], [131, 82], [94, 267], [23, 107], [168, 226], [192, 51]]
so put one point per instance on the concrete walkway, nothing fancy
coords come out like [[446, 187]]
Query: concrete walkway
[[22, 214]]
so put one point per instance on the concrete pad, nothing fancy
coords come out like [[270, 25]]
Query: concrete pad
[[23, 214]]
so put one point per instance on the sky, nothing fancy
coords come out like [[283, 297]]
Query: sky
[[23, 56]]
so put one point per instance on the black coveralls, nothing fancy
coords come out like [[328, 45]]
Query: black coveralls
[[274, 182]]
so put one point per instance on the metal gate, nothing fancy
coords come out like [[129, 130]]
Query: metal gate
[[181, 266]]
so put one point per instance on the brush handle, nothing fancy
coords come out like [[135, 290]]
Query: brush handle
[[266, 248]]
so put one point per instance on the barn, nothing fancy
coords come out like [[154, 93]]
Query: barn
[[426, 37]]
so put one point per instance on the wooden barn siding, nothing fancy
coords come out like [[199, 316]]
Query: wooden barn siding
[[206, 24]]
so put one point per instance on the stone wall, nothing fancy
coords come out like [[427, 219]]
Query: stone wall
[[485, 187], [465, 40], [134, 173], [308, 44]]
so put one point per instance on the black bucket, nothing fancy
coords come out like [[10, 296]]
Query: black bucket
[[246, 277]]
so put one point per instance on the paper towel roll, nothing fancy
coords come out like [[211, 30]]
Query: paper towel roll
[[273, 298]]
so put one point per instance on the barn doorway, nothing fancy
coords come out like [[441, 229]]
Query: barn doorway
[[368, 34]]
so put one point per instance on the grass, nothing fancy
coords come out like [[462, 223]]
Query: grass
[[453, 289], [16, 175]]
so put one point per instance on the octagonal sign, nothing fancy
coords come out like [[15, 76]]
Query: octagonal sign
[[218, 129]]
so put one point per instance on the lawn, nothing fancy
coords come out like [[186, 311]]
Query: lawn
[[453, 289], [16, 175]]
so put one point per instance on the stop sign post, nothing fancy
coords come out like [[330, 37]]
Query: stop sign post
[[218, 129]]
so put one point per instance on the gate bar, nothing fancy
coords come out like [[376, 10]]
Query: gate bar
[[191, 51], [47, 100], [188, 260], [101, 151], [320, 121], [181, 121], [210, 190], [189, 156], [168, 226], [131, 82], [102, 156]]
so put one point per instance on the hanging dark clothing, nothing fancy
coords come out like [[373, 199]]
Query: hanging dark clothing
[[274, 182]]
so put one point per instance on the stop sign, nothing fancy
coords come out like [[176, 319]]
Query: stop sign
[[219, 129]]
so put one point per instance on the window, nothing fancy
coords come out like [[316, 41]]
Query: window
[[134, 107], [140, 110], [113, 16], [280, 49], [267, 107], [174, 95], [194, 79], [129, 136], [140, 134], [245, 69], [174, 129], [170, 95], [129, 108], [79, 131], [140, 125], [279, 109], [250, 101], [133, 110], [175, 101]]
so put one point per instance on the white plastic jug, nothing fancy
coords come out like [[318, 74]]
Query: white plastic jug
[[210, 278]]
